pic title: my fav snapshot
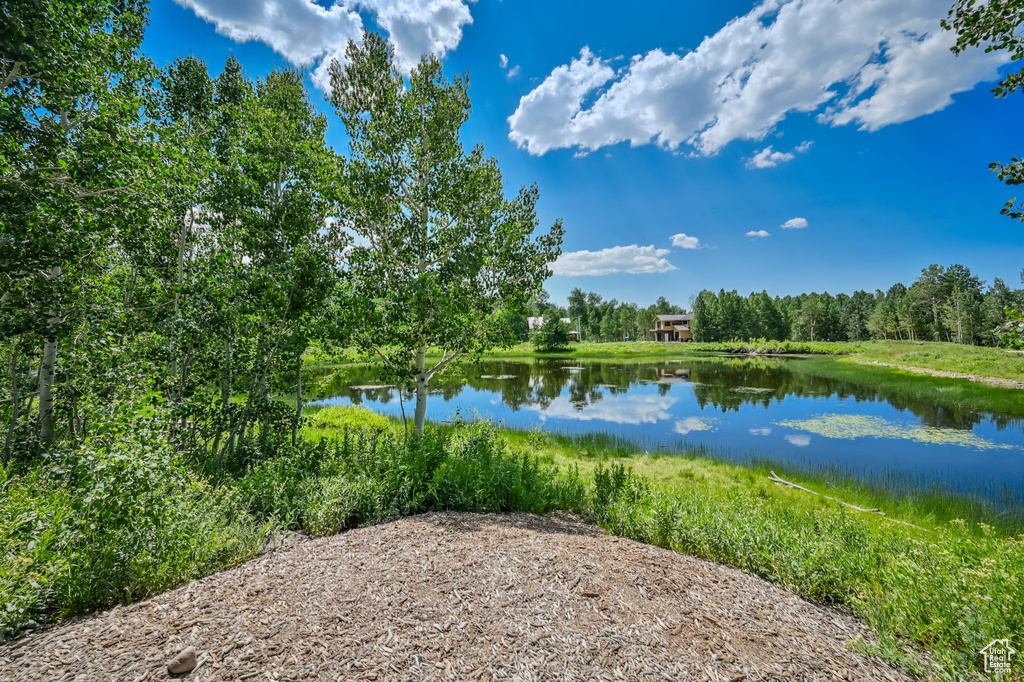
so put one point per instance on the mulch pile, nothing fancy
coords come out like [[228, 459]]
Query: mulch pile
[[464, 597]]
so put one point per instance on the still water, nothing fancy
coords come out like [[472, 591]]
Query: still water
[[738, 408]]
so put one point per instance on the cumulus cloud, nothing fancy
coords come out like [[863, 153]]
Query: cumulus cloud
[[769, 158], [633, 260], [684, 241], [758, 233], [305, 32], [794, 224], [890, 63]]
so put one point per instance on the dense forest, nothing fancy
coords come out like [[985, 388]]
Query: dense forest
[[943, 304]]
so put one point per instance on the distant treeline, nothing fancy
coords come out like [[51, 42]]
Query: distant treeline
[[600, 320], [942, 304]]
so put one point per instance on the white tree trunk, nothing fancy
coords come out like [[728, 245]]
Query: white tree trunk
[[422, 379], [47, 369]]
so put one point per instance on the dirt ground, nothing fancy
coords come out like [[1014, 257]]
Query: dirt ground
[[462, 597]]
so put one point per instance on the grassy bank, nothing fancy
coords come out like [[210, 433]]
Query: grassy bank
[[698, 466], [961, 394], [948, 357], [127, 521], [637, 349]]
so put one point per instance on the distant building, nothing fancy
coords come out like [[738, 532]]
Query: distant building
[[535, 323], [672, 328]]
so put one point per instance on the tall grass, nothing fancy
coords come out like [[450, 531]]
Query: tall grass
[[899, 495], [124, 517], [958, 393], [950, 592], [949, 357], [119, 520]]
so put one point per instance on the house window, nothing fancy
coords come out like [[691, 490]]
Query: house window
[[659, 325]]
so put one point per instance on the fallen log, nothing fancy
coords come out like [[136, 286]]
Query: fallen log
[[776, 479]]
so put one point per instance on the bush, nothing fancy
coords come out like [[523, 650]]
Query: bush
[[116, 520], [552, 337]]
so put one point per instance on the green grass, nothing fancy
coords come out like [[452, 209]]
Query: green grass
[[948, 357], [638, 349], [951, 357], [962, 394], [898, 497], [120, 520]]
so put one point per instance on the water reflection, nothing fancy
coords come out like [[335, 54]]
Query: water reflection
[[724, 385], [738, 407]]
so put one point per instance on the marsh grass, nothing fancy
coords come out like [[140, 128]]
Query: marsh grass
[[949, 592], [958, 393], [900, 495], [949, 357]]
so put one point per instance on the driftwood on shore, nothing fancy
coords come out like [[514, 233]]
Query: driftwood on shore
[[776, 479]]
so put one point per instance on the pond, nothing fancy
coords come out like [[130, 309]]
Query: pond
[[737, 409]]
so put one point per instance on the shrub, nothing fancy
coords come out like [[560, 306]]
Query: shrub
[[118, 519], [552, 337]]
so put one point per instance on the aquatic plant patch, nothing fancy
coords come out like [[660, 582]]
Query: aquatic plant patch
[[850, 426]]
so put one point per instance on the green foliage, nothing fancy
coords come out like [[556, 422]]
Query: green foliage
[[552, 337], [1011, 332], [366, 473], [945, 303], [951, 592], [448, 260], [116, 521]]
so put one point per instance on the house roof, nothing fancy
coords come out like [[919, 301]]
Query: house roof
[[538, 322], [674, 318]]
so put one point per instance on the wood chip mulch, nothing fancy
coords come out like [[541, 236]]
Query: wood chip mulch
[[463, 597]]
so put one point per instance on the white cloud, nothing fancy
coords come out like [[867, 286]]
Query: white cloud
[[758, 233], [760, 432], [794, 224], [502, 61], [889, 63], [799, 441], [684, 241], [633, 259], [305, 32], [767, 158], [513, 72], [546, 115]]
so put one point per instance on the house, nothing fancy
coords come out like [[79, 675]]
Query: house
[[671, 376], [672, 328], [535, 323]]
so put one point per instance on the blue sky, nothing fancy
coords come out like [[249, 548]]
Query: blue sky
[[716, 121]]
